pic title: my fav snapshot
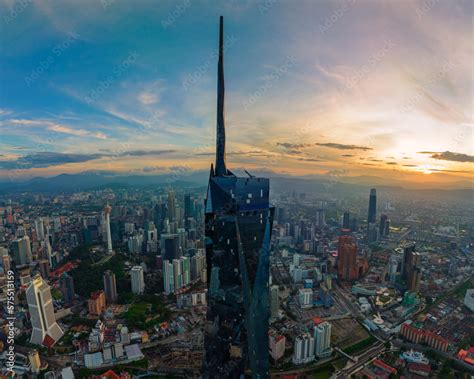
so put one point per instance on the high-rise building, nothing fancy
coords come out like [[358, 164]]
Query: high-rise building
[[276, 344], [22, 251], [188, 206], [346, 219], [372, 206], [45, 330], [322, 339], [108, 236], [39, 227], [407, 250], [66, 285], [169, 244], [138, 279], [320, 218], [274, 301], [304, 349], [414, 279], [171, 206], [44, 268], [168, 277], [392, 269], [347, 258], [384, 226], [6, 259], [110, 286], [96, 303], [238, 228]]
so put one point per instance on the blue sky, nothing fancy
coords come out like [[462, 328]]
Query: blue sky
[[348, 87]]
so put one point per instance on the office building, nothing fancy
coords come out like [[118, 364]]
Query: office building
[[45, 330], [66, 285], [108, 234], [320, 218], [346, 218], [110, 286], [22, 251], [238, 228], [347, 259], [372, 206], [384, 226], [414, 279], [43, 265], [169, 245], [39, 227], [138, 279]]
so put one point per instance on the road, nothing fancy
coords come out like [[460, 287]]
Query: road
[[362, 360]]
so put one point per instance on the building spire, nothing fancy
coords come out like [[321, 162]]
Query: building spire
[[220, 137]]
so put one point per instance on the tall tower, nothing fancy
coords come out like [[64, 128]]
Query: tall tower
[[40, 305], [107, 211], [238, 229], [220, 136]]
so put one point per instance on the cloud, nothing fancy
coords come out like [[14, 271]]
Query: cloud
[[294, 146], [58, 128], [148, 98], [48, 159], [392, 163], [341, 146], [449, 156], [309, 159], [348, 155]]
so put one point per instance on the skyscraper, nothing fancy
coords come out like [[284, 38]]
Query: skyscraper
[[138, 280], [372, 206], [384, 226], [274, 301], [168, 277], [40, 305], [346, 220], [66, 284], [108, 236], [322, 339], [347, 258], [110, 286], [22, 251], [238, 229]]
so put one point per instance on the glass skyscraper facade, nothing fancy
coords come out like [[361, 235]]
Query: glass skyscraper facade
[[239, 222]]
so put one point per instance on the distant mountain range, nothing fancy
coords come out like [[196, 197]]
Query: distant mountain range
[[311, 183]]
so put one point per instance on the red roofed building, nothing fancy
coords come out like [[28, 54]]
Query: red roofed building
[[381, 364], [112, 375], [420, 369], [418, 335], [276, 344]]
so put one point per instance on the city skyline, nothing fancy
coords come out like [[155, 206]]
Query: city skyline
[[317, 89]]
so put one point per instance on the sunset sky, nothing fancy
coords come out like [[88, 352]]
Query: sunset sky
[[345, 88]]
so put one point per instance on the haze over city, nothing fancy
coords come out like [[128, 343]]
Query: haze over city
[[343, 89]]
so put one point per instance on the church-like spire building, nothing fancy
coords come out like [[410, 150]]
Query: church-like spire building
[[220, 135], [238, 231]]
